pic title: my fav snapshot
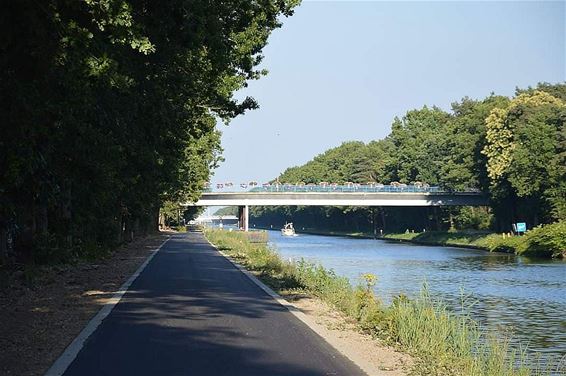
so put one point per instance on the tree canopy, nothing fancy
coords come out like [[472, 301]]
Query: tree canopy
[[110, 109], [513, 149]]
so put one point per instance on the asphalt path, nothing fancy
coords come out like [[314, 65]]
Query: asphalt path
[[191, 312]]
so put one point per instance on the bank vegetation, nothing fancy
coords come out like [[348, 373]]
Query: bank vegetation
[[442, 342], [542, 241]]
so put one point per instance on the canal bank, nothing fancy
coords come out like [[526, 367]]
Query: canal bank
[[395, 237], [521, 296], [547, 241], [406, 266], [542, 242]]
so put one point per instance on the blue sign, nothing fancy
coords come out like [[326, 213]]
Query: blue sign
[[521, 227]]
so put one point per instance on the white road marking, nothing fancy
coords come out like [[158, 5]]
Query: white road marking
[[297, 313], [64, 361]]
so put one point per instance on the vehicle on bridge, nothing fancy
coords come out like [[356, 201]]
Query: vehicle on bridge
[[349, 187]]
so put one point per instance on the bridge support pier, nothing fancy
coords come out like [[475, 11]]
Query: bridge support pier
[[243, 217]]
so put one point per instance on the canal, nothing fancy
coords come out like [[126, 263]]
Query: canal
[[524, 298]]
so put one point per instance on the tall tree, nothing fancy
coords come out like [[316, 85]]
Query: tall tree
[[110, 108], [523, 142], [419, 144], [463, 165]]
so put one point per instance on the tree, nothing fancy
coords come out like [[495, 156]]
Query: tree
[[463, 165], [419, 146], [512, 149], [110, 109], [524, 152]]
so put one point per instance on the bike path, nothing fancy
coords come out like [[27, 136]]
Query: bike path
[[191, 312]]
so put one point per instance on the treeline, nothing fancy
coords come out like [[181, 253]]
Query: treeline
[[513, 149], [109, 110]]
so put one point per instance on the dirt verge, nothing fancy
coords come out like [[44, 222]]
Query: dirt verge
[[373, 356], [39, 319]]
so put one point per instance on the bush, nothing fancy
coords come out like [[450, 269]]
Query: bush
[[470, 217], [542, 241], [549, 240], [497, 243]]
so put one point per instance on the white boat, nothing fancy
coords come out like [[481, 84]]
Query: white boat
[[288, 230]]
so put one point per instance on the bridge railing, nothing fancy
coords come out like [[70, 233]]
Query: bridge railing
[[357, 188]]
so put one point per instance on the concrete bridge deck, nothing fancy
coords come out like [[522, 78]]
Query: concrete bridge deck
[[341, 199]]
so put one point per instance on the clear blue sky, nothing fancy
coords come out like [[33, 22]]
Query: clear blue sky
[[342, 70]]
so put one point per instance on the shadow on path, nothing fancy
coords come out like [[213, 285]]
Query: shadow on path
[[192, 313]]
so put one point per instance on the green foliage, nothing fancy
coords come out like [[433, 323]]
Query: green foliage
[[542, 241], [512, 149], [548, 240], [525, 153], [470, 217], [419, 146], [463, 165], [109, 109], [352, 161]]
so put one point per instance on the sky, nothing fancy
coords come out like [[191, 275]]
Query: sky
[[342, 70]]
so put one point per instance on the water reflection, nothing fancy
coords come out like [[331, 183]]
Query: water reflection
[[517, 294]]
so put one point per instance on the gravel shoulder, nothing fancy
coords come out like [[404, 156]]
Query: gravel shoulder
[[38, 320], [370, 354]]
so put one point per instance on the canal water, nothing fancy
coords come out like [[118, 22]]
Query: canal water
[[523, 297]]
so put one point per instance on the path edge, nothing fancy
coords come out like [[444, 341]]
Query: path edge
[[291, 308], [59, 367]]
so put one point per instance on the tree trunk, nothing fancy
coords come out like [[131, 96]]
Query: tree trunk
[[23, 244], [3, 241], [129, 232]]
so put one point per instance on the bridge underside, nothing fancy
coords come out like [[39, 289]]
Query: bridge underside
[[341, 199]]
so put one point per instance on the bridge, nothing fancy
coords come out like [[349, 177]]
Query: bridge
[[351, 195]]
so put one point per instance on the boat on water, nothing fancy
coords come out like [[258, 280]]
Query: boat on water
[[288, 230]]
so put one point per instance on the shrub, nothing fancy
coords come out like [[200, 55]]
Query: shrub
[[548, 240], [470, 217], [497, 243]]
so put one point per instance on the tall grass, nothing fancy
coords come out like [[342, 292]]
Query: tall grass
[[443, 342]]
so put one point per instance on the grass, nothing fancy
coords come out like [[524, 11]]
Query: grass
[[545, 241], [481, 240], [442, 342]]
